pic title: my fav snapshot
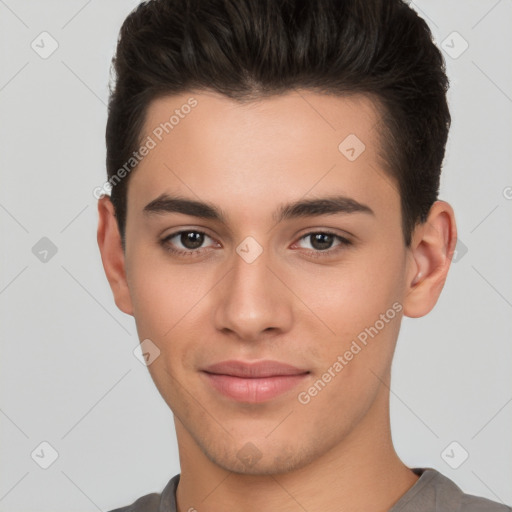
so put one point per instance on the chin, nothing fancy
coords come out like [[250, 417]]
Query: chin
[[259, 458]]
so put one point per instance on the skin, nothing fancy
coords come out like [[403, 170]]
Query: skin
[[335, 452]]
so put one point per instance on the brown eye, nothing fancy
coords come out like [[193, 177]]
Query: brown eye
[[191, 239], [185, 242], [322, 243]]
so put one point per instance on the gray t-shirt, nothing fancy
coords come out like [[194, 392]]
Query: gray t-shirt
[[432, 492]]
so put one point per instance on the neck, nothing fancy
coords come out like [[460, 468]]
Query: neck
[[361, 473]]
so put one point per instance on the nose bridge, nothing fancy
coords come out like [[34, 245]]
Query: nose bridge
[[252, 299]]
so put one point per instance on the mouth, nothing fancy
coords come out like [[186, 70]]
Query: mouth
[[253, 382]]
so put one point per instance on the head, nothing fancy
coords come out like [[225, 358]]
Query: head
[[299, 147]]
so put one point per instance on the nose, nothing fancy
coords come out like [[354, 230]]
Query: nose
[[253, 300]]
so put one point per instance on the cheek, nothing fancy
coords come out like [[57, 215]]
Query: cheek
[[353, 362], [349, 297], [358, 313], [170, 303], [164, 293]]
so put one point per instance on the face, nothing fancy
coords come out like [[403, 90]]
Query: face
[[317, 287]]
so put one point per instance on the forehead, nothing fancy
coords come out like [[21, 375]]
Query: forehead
[[205, 145]]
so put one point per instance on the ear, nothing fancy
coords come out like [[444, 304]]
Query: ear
[[431, 252], [112, 254]]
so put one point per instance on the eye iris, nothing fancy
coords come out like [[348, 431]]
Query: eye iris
[[192, 239], [321, 241]]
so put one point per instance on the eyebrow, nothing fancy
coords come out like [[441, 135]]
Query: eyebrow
[[329, 205]]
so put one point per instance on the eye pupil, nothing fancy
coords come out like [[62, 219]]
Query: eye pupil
[[322, 241], [192, 239]]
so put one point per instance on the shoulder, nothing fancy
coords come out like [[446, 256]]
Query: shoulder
[[147, 503], [453, 495], [433, 489], [155, 502]]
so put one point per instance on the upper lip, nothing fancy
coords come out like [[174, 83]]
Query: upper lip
[[254, 370]]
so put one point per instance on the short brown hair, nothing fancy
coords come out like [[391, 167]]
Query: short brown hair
[[249, 49]]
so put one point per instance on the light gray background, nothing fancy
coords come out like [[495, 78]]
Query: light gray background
[[68, 374]]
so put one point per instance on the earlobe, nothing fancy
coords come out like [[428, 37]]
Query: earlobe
[[112, 255], [431, 253]]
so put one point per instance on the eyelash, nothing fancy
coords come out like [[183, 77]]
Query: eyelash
[[344, 242]]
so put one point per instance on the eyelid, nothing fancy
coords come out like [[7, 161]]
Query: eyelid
[[344, 242], [173, 234], [342, 233]]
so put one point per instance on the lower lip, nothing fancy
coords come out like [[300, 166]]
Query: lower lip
[[255, 390]]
